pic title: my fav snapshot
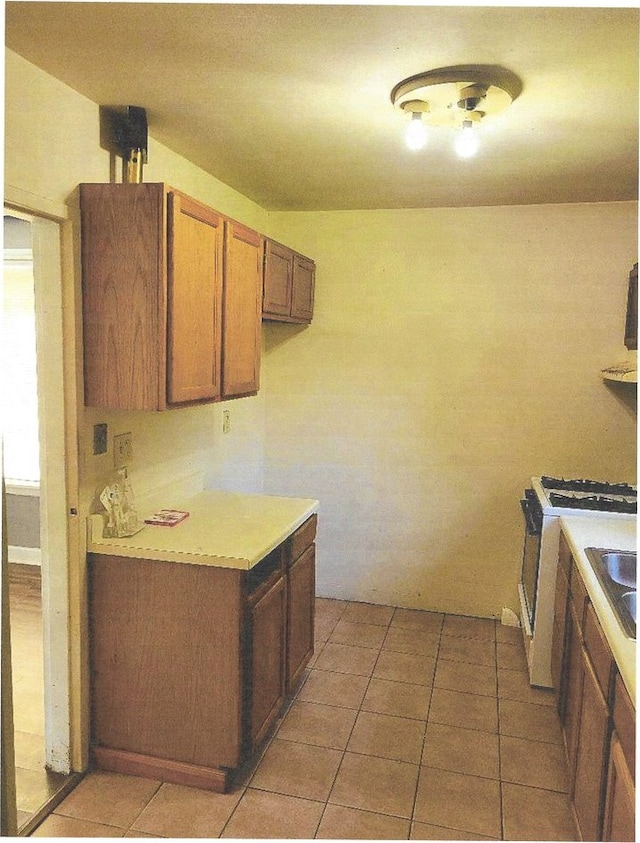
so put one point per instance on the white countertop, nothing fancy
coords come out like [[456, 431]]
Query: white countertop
[[224, 529], [618, 534]]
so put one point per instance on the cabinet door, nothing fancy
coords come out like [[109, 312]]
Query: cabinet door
[[558, 673], [572, 686], [300, 615], [631, 323], [278, 277], [195, 301], [267, 618], [624, 721], [620, 806], [304, 275], [124, 295], [242, 311], [591, 755]]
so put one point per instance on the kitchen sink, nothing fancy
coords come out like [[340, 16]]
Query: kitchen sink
[[629, 600], [621, 567], [616, 572]]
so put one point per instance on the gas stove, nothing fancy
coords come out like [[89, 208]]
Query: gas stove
[[549, 500], [586, 495]]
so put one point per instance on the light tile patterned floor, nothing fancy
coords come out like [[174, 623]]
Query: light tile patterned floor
[[410, 725]]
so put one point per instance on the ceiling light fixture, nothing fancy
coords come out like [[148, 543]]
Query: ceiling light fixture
[[455, 97], [416, 132], [467, 141]]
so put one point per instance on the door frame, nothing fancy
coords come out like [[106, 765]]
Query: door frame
[[55, 306]]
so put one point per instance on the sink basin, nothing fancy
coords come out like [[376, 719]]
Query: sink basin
[[629, 600], [621, 567], [616, 572]]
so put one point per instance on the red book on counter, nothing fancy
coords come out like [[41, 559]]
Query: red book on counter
[[166, 517]]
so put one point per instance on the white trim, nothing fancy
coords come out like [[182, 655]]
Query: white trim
[[46, 240], [23, 488], [18, 256], [24, 555], [34, 204]]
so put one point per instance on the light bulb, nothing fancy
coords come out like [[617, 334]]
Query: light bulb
[[467, 141], [416, 134]]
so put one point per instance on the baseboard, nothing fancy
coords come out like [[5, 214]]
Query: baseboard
[[150, 767], [24, 555]]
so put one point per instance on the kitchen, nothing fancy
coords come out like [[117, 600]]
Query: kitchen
[[454, 352]]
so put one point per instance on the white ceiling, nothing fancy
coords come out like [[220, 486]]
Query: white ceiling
[[290, 104]]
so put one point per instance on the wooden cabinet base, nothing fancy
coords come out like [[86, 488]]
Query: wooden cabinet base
[[190, 664], [174, 772]]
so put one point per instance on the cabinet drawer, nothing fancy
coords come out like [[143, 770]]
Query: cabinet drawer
[[303, 537], [260, 577], [624, 722], [599, 653]]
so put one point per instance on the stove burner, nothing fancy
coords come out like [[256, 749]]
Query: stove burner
[[590, 486], [597, 502]]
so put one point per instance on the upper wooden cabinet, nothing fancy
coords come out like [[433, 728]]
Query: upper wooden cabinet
[[194, 312], [171, 299], [631, 322], [289, 280], [242, 310]]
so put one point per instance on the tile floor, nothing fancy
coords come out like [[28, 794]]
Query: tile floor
[[409, 725]]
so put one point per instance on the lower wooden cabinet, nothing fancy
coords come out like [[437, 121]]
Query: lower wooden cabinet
[[191, 664], [266, 619], [592, 702], [592, 754], [560, 631], [620, 805], [300, 608], [572, 688], [619, 811]]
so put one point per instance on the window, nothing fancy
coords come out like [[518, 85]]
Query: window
[[20, 414]]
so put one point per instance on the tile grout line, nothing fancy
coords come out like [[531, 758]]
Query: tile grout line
[[413, 820], [502, 829], [275, 733], [344, 751], [247, 785], [359, 709]]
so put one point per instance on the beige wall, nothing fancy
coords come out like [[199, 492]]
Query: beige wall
[[453, 354]]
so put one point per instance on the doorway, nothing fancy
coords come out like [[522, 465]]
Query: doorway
[[35, 477]]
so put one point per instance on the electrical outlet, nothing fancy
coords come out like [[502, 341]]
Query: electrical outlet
[[226, 421], [122, 450], [100, 439]]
